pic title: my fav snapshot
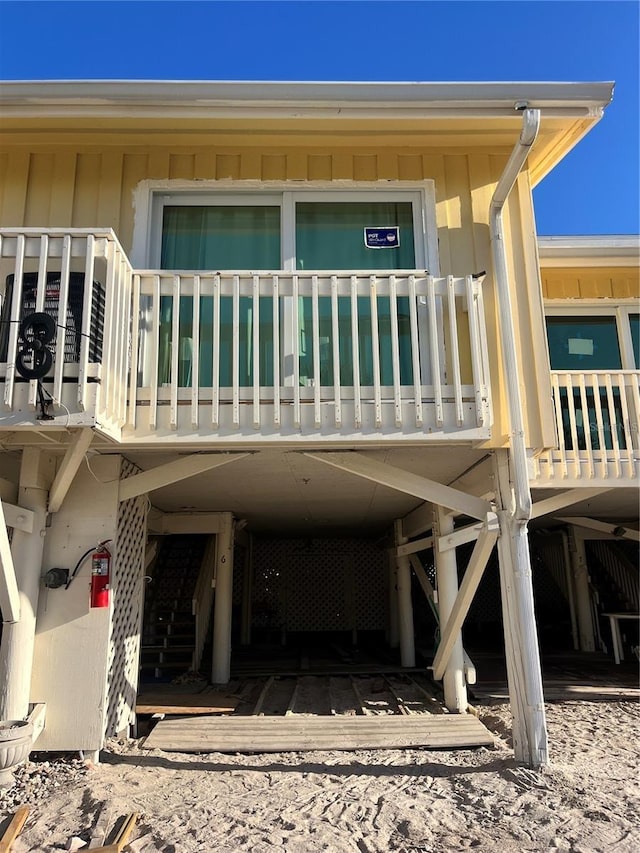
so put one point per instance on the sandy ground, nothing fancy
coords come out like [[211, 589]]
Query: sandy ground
[[367, 801]]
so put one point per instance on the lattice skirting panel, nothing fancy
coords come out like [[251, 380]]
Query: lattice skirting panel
[[127, 578], [319, 585]]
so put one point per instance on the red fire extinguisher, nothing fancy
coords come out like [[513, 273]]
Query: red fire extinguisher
[[100, 576]]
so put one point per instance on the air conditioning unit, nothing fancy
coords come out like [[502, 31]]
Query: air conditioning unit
[[73, 320]]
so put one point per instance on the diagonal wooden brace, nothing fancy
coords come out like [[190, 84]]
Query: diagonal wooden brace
[[477, 564]]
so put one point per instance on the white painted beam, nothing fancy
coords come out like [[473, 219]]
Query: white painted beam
[[621, 532], [423, 580], [459, 537], [9, 595], [477, 564], [430, 594], [69, 467], [405, 605], [223, 604], [18, 517], [564, 499], [414, 547], [190, 523], [173, 472], [405, 481]]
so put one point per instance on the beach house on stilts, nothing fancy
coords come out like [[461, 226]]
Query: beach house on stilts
[[275, 385]]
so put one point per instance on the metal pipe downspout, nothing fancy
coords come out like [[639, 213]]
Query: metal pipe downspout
[[530, 127]]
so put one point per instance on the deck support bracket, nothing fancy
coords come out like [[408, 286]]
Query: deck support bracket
[[72, 460], [477, 563], [173, 472], [9, 594], [404, 481], [564, 499], [615, 531]]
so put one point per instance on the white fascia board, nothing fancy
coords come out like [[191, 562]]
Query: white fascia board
[[590, 251], [123, 97]]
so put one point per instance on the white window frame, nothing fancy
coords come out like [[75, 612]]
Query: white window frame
[[620, 310], [151, 196]]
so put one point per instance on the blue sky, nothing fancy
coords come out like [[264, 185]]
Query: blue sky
[[595, 190]]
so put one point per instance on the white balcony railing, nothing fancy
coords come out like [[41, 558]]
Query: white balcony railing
[[82, 279], [598, 417], [146, 354], [309, 354]]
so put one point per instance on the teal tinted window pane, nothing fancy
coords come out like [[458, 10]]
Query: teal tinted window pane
[[346, 346], [583, 343], [634, 321], [224, 364], [330, 235], [232, 237], [600, 419]]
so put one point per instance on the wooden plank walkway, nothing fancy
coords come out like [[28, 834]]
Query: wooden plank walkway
[[298, 734], [175, 702]]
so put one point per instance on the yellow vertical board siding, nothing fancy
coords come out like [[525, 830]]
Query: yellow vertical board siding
[[535, 370], [409, 167], [134, 170], [85, 201], [365, 167], [227, 166], [482, 172], [204, 165], [181, 167], [319, 167], [297, 167], [62, 189], [100, 189], [14, 187], [110, 190], [38, 200], [590, 283]]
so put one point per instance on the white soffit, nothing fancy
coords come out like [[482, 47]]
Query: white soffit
[[590, 251]]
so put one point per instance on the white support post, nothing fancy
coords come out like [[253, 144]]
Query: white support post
[[524, 672], [16, 651], [455, 690], [221, 658], [394, 632], [580, 572], [405, 606]]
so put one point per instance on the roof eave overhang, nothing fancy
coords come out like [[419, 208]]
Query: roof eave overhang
[[617, 250], [574, 107]]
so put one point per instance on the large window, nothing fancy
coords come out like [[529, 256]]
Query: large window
[[585, 345], [288, 230]]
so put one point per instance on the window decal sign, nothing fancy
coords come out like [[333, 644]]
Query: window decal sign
[[382, 238], [580, 346]]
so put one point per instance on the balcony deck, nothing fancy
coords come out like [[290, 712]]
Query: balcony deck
[[242, 357], [597, 417], [202, 359]]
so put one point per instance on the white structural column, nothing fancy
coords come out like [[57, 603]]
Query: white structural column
[[521, 642], [580, 571], [16, 651], [222, 609], [455, 691], [405, 606]]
